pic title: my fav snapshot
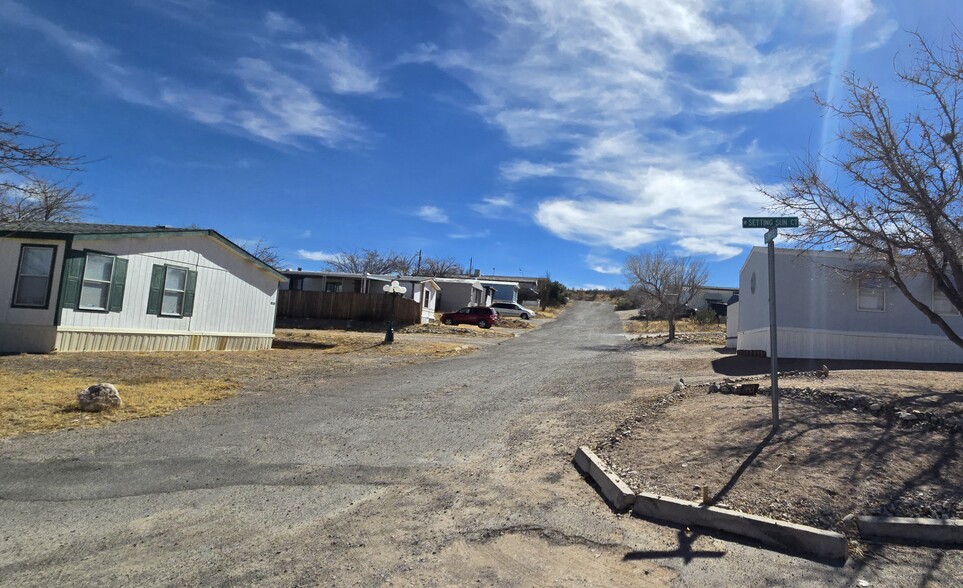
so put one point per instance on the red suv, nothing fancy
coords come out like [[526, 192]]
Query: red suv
[[483, 316]]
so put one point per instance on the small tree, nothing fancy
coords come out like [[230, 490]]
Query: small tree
[[900, 208], [664, 282], [551, 292]]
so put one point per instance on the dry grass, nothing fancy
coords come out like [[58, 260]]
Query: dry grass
[[37, 402], [550, 312], [681, 326], [38, 393]]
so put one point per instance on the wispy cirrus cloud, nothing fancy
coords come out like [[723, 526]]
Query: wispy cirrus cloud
[[596, 83], [432, 214], [495, 206], [266, 97], [316, 255], [344, 65]]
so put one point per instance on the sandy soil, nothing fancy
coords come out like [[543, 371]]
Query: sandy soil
[[832, 455]]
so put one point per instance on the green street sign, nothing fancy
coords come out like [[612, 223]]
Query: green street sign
[[770, 222]]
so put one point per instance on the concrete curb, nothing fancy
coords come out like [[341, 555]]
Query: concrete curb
[[617, 492], [788, 536], [912, 529]]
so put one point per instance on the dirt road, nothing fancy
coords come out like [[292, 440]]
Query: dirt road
[[447, 473]]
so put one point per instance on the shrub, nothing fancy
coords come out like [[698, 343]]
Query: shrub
[[706, 316]]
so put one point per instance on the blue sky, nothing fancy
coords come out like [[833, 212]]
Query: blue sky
[[528, 136]]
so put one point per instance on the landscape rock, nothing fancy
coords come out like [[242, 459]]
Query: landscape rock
[[99, 397], [875, 407]]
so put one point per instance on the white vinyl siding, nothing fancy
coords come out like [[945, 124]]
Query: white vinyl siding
[[232, 295], [95, 291], [871, 296], [33, 276]]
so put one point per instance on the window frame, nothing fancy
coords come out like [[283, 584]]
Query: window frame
[[16, 285], [165, 290], [109, 282], [877, 288]]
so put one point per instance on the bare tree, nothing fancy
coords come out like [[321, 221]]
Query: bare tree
[[22, 154], [372, 262], [897, 204], [40, 200], [266, 253], [440, 267], [664, 282], [24, 195]]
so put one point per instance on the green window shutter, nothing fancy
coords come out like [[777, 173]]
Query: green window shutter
[[72, 276], [118, 281], [189, 293], [157, 275]]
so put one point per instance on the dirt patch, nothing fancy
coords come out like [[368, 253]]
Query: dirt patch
[[842, 447]]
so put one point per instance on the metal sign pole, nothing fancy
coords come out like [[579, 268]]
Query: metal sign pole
[[773, 353], [772, 223]]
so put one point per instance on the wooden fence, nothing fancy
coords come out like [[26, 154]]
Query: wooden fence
[[346, 306]]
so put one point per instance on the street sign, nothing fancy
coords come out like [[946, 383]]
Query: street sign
[[770, 222], [771, 234]]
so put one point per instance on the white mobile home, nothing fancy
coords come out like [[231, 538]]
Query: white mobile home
[[92, 287], [824, 311]]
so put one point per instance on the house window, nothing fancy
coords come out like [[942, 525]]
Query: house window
[[333, 287], [171, 291], [871, 296], [175, 285], [942, 304], [95, 289], [34, 271]]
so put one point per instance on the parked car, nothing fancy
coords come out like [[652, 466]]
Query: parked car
[[513, 309], [483, 316]]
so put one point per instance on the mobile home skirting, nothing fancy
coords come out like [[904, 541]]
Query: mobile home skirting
[[819, 344], [74, 339]]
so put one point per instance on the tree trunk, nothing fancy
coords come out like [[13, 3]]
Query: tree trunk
[[671, 328]]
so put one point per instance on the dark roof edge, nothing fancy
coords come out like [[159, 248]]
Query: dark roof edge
[[150, 234]]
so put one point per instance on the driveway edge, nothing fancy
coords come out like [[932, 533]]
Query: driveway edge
[[780, 534], [947, 531], [617, 492]]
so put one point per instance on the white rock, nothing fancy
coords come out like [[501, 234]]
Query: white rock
[[99, 397]]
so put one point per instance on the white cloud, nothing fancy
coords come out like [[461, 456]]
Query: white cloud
[[276, 23], [602, 265], [305, 234], [599, 83], [521, 169], [494, 206], [697, 208], [470, 235], [316, 255], [287, 109], [254, 95], [343, 64], [432, 214]]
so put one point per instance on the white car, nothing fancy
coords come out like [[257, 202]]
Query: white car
[[513, 309]]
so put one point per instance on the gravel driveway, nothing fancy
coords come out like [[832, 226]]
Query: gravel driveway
[[444, 473]]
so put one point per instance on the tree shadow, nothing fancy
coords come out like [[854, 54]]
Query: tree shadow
[[685, 551]]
